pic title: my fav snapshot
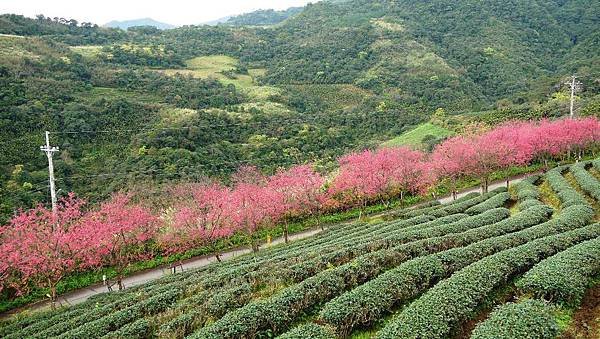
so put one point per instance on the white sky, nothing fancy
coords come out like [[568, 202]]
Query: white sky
[[176, 12]]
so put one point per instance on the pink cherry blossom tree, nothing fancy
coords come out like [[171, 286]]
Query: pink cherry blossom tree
[[254, 204], [209, 215], [40, 248], [298, 190], [378, 174], [120, 230]]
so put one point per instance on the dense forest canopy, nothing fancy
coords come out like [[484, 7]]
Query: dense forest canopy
[[145, 106]]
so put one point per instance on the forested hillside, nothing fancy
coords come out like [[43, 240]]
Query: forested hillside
[[263, 17], [133, 109]]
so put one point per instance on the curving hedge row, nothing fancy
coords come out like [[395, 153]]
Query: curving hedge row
[[91, 310], [116, 320], [138, 329], [460, 207], [273, 315], [435, 314], [370, 301], [310, 330], [531, 319], [339, 251], [526, 190], [401, 213], [587, 181], [188, 309], [308, 268], [48, 317], [457, 206], [496, 201], [565, 276], [566, 193]]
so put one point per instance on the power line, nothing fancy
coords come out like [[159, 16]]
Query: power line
[[162, 172], [30, 136]]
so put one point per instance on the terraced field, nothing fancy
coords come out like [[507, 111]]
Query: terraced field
[[432, 272]]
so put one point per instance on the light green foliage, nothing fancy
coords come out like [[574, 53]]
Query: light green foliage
[[415, 136]]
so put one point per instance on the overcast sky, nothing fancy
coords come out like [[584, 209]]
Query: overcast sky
[[176, 12]]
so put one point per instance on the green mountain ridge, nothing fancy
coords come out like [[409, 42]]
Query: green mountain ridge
[[263, 17], [125, 24]]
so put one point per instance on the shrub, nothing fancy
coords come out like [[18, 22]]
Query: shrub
[[369, 301], [424, 211], [588, 182], [565, 276], [310, 330], [494, 202], [435, 313], [528, 319], [568, 195], [138, 329]]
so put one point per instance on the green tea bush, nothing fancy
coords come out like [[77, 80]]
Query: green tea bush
[[566, 193], [528, 319], [587, 181], [312, 331], [435, 314], [565, 276], [369, 301], [496, 201]]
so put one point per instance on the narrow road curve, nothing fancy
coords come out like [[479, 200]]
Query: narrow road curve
[[78, 296]]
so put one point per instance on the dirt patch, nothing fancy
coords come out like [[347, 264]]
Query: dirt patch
[[586, 321]]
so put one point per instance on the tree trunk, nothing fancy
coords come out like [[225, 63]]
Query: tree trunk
[[120, 282], [286, 232], [254, 244], [53, 296]]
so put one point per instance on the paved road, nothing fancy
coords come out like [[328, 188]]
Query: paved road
[[81, 295], [491, 186]]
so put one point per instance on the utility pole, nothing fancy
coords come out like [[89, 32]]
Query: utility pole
[[575, 86], [49, 153]]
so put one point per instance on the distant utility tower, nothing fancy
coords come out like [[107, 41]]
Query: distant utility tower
[[49, 153], [575, 86]]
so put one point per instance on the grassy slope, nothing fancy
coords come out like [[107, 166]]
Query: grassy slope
[[416, 135]]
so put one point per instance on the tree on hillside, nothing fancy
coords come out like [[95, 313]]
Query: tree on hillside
[[377, 174], [40, 248], [452, 160], [255, 206], [298, 189], [214, 202], [120, 230]]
